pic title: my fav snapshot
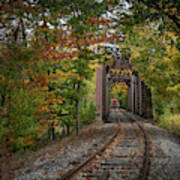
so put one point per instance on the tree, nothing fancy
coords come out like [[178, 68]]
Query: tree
[[152, 34], [35, 49]]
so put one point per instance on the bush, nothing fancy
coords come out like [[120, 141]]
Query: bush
[[88, 114], [19, 129], [171, 122]]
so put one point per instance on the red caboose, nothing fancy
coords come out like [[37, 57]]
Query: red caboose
[[114, 103]]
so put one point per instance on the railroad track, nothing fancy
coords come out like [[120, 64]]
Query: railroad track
[[125, 155], [145, 170]]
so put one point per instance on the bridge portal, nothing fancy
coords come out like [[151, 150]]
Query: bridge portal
[[139, 95]]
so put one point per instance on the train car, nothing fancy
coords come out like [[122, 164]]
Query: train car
[[114, 103]]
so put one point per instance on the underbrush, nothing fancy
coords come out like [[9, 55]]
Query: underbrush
[[88, 115], [170, 122]]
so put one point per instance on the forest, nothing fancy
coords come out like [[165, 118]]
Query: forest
[[48, 66]]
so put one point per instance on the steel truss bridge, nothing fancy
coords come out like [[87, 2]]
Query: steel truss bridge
[[139, 95]]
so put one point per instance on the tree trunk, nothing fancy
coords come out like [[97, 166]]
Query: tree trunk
[[78, 110], [68, 130], [53, 131], [2, 99]]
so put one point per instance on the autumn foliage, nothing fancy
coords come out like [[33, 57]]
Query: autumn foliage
[[45, 68]]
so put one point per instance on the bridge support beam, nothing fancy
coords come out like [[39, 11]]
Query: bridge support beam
[[133, 94], [101, 93], [143, 95], [140, 111], [129, 98], [145, 108], [148, 103], [139, 98], [136, 94], [106, 99]]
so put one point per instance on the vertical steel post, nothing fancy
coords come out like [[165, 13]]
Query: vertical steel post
[[143, 106], [133, 93], [129, 97], [148, 113], [146, 102], [100, 92], [107, 99], [140, 96], [136, 94]]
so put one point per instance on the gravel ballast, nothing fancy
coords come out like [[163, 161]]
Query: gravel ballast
[[54, 165], [54, 160]]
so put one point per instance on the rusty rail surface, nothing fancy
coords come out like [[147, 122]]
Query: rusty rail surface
[[75, 170]]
